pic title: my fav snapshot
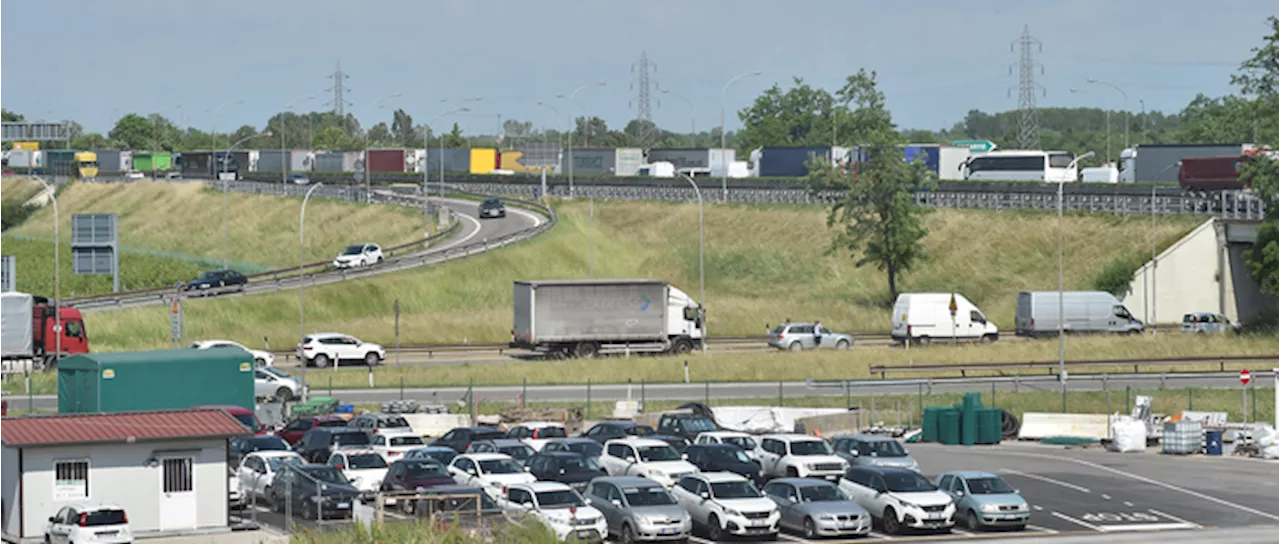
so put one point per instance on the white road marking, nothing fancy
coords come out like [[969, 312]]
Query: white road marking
[[1042, 529], [786, 536], [1106, 497], [1065, 517], [1146, 527], [962, 532], [1174, 518], [699, 540], [473, 233], [879, 535], [537, 219], [1127, 503], [1037, 507], [1048, 480]]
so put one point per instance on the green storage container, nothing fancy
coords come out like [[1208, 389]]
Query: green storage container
[[990, 425], [969, 427], [929, 425], [949, 427], [972, 401], [154, 380], [147, 161]]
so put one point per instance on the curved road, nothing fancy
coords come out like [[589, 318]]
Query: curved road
[[472, 231]]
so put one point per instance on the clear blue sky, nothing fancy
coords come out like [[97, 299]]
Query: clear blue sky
[[92, 61]]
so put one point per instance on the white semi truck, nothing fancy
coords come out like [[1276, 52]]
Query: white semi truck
[[583, 318]]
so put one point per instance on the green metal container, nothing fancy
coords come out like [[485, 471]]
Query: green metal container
[[989, 425], [949, 427], [972, 401], [154, 380], [969, 427], [147, 161], [929, 427]]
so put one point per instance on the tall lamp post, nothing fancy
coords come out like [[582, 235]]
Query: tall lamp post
[[569, 126], [447, 101], [57, 273], [368, 187], [225, 245], [693, 117], [302, 280], [1151, 318], [1108, 116], [1062, 346], [1126, 104], [426, 130], [724, 175], [702, 277]]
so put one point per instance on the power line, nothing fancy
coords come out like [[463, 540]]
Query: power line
[[1028, 119], [339, 102], [644, 86]]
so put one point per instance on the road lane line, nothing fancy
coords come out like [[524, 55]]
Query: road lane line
[[881, 536], [537, 219], [962, 532], [1047, 480], [473, 233], [1174, 518], [1077, 522], [1037, 507], [1146, 527], [786, 536], [1042, 529], [1127, 503], [699, 540], [1106, 497]]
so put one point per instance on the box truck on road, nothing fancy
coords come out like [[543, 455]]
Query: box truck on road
[[583, 318], [1082, 312]]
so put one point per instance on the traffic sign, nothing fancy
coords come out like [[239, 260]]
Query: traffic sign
[[976, 146], [1245, 376], [175, 319], [952, 306]]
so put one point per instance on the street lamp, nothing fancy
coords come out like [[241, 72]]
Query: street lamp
[[57, 274], [476, 98], [702, 277], [1108, 115], [425, 129], [1126, 105], [724, 174], [1151, 318], [302, 282], [213, 112], [554, 110], [693, 117], [368, 187], [569, 126], [1062, 346], [225, 245]]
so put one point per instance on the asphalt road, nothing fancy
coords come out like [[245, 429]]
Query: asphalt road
[[472, 231]]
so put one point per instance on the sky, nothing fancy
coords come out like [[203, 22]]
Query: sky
[[935, 59]]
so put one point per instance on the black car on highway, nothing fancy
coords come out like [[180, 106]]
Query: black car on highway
[[302, 484], [217, 279], [492, 207]]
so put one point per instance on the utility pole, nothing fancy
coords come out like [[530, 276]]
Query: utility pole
[[1028, 119], [644, 86]]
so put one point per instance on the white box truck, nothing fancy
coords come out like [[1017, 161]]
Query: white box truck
[[1082, 312], [583, 318], [922, 318]]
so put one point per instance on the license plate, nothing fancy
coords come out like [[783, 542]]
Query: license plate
[[343, 505], [584, 534], [670, 531], [848, 524], [107, 533], [759, 524]]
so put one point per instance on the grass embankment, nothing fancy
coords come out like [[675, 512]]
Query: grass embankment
[[18, 190], [763, 264], [138, 270]]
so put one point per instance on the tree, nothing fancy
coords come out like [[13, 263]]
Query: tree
[[91, 140], [877, 218], [402, 129], [1258, 82], [134, 131], [512, 128], [379, 134], [10, 117], [801, 116], [334, 138], [589, 130]]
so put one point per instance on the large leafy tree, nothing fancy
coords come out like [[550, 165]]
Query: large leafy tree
[[799, 116], [1258, 84], [134, 131], [876, 218]]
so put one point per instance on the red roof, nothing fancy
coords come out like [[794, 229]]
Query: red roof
[[117, 427]]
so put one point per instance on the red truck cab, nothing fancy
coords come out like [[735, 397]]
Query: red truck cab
[[44, 340]]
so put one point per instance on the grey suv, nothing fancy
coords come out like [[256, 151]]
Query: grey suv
[[799, 336]]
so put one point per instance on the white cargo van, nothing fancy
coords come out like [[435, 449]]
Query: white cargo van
[[926, 317]]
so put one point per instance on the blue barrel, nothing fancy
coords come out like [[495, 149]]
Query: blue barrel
[[1213, 442]]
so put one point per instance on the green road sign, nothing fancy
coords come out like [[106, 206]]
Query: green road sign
[[976, 146]]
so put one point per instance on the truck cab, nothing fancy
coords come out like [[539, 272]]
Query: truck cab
[[30, 329], [86, 164]]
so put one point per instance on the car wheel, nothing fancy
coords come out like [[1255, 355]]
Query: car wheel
[[321, 360], [628, 536], [714, 532], [284, 394], [842, 345], [988, 339], [810, 531], [379, 259], [260, 361], [890, 521], [923, 340], [971, 521], [371, 358], [795, 346]]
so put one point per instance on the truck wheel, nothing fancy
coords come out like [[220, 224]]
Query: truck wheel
[[923, 340], [586, 350], [681, 347], [988, 339]]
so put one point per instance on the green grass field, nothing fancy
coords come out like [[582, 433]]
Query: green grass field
[[763, 265], [186, 218], [34, 260]]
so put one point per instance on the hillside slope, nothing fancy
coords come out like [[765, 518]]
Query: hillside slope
[[763, 265]]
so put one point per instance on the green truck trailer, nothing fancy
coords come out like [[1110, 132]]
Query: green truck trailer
[[154, 380], [152, 161]]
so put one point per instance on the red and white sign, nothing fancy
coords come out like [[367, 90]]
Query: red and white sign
[[1245, 376]]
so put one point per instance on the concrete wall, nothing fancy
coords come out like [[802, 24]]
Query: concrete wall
[[119, 475], [9, 480], [1186, 279]]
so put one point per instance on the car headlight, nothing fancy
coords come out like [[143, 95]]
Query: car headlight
[[990, 508], [1022, 506], [907, 504], [732, 512], [827, 517]]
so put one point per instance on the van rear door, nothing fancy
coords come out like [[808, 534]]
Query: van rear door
[[900, 329]]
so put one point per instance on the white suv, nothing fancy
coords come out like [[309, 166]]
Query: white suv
[[358, 255], [489, 471], [558, 507], [726, 503], [324, 348], [646, 458], [798, 456], [739, 439], [99, 523], [899, 498], [260, 357]]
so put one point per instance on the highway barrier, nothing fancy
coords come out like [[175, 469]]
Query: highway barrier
[[1052, 366]]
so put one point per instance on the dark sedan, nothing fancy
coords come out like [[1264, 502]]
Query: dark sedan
[[241, 446], [723, 458], [492, 207], [608, 430], [217, 279], [565, 467], [413, 476], [336, 494], [585, 446]]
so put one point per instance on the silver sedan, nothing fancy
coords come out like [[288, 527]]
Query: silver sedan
[[817, 508]]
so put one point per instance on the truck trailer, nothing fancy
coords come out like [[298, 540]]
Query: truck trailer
[[1082, 312], [583, 318], [1158, 163], [27, 331]]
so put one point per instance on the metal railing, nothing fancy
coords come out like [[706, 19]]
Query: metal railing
[[1052, 366]]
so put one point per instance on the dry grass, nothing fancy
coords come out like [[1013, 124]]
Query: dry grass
[[763, 264], [18, 190], [187, 218]]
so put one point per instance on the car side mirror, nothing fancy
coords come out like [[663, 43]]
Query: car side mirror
[[471, 471], [959, 493], [793, 499], [616, 502], [684, 456], [527, 469], [561, 471], [705, 496], [53, 519], [527, 505], [1017, 492], [853, 453]]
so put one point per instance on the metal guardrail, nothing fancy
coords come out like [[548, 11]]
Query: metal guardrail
[[927, 384], [884, 370]]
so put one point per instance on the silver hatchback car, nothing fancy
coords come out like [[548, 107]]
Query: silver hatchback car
[[1208, 323], [799, 336]]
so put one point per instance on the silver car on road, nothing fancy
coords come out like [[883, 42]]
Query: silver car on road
[[984, 500], [639, 509], [799, 336], [817, 508]]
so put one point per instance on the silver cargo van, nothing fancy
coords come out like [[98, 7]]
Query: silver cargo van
[[1083, 312]]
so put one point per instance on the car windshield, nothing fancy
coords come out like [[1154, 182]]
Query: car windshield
[[698, 424], [425, 469], [810, 447], [406, 441], [353, 250], [638, 430], [551, 432], [500, 466], [278, 463], [330, 423], [744, 442], [988, 486], [820, 493], [491, 202], [442, 456], [579, 464], [881, 448], [658, 453], [778, 330], [208, 276], [99, 518], [653, 495], [728, 455], [734, 490], [906, 482], [328, 474], [272, 370], [351, 439], [559, 499], [519, 453], [393, 422], [267, 443], [359, 461], [587, 449]]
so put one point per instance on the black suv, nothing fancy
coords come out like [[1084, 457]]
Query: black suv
[[318, 444], [608, 430], [723, 458], [686, 426], [492, 207], [565, 467], [461, 438], [216, 279], [298, 483]]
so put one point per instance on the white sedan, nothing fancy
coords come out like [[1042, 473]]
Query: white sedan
[[323, 348], [488, 471], [259, 469], [358, 255], [260, 357], [365, 469]]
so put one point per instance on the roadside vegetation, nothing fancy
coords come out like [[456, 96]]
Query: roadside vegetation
[[138, 270]]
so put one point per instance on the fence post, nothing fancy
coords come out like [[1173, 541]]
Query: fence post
[[1253, 393], [330, 382], [993, 394], [524, 392], [779, 393], [1190, 400], [401, 387], [1106, 386], [1126, 397], [587, 412], [642, 395], [920, 399], [706, 393], [848, 400]]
